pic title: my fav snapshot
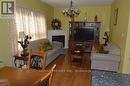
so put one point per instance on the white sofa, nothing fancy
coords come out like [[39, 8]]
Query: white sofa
[[52, 54], [109, 62]]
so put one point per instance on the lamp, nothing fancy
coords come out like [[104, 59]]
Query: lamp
[[22, 35], [71, 11]]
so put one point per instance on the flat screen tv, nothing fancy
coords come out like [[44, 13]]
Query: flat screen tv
[[83, 34]]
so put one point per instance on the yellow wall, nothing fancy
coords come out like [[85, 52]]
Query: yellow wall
[[119, 32], [4, 44], [103, 13], [126, 64], [37, 4]]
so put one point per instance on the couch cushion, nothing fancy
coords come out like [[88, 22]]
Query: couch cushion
[[34, 44], [105, 57], [51, 52], [56, 47]]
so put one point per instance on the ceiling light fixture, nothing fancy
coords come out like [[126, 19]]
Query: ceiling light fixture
[[71, 11]]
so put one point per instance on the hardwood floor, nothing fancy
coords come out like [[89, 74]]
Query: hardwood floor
[[71, 75]]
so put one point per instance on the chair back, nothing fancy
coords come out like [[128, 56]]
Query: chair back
[[47, 80], [37, 59], [4, 82]]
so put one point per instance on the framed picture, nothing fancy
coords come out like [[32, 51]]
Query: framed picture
[[115, 16]]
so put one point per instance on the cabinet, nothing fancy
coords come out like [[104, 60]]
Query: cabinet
[[84, 31]]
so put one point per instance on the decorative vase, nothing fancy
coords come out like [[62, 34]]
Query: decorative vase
[[25, 52]]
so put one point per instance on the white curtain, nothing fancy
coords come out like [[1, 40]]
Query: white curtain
[[13, 38], [32, 22], [39, 25]]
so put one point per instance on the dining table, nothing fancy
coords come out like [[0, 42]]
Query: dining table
[[21, 77]]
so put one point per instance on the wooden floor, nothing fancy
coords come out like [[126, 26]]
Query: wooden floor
[[71, 75]]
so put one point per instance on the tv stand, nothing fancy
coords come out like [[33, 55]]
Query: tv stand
[[83, 32]]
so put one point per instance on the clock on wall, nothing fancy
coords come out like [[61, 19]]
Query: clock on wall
[[56, 24]]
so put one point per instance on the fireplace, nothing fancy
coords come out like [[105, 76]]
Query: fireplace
[[59, 38], [58, 35]]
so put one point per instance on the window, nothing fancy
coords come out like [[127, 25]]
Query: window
[[33, 23]]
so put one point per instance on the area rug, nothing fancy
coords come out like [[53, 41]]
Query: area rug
[[105, 78]]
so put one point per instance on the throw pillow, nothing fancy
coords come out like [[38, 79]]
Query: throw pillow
[[46, 46], [99, 48]]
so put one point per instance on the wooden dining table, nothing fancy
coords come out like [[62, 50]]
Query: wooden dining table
[[21, 77]]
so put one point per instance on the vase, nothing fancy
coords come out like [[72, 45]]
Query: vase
[[25, 52]]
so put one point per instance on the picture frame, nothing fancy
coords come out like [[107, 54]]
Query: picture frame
[[115, 16]]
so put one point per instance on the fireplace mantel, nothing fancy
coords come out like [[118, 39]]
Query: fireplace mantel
[[58, 33]]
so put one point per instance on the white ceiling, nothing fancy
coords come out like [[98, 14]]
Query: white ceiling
[[66, 3]]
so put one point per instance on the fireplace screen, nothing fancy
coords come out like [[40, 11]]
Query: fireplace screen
[[59, 38]]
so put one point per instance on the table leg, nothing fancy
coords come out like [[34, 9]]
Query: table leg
[[25, 62], [15, 62]]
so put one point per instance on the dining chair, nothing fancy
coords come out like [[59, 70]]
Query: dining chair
[[4, 82], [37, 59], [47, 80]]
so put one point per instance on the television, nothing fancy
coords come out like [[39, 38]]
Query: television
[[83, 34]]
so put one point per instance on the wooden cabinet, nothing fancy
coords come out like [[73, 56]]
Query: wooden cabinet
[[84, 31]]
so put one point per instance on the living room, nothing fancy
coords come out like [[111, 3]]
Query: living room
[[105, 12]]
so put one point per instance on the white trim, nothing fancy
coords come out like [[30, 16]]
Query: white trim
[[58, 32]]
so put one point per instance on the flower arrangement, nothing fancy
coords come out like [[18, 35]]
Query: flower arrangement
[[24, 44]]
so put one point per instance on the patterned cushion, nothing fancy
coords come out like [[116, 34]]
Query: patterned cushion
[[36, 62]]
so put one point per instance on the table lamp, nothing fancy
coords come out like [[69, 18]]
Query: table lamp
[[22, 35]]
